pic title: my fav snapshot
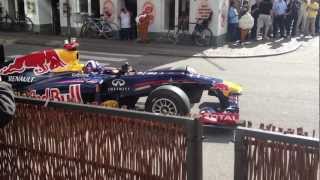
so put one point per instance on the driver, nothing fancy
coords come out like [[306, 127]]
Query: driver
[[92, 67]]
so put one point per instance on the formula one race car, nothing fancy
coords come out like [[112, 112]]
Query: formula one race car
[[57, 75]]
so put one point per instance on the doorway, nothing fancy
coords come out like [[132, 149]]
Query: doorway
[[56, 26], [20, 10], [95, 8], [175, 12], [131, 6], [16, 9]]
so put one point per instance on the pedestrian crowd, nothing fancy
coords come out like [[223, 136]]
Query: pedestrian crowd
[[274, 19], [127, 25]]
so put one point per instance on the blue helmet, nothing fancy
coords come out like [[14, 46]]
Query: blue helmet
[[92, 66]]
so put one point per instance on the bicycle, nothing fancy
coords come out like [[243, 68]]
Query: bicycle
[[6, 22], [96, 27], [23, 23], [115, 29], [201, 34]]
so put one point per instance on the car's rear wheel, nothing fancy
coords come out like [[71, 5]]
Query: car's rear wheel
[[168, 100]]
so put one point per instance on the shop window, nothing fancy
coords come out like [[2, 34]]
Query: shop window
[[83, 5]]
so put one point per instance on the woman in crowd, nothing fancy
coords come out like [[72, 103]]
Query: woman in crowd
[[246, 22], [312, 11], [233, 22]]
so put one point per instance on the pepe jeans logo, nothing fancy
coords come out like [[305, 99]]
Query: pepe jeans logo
[[118, 82]]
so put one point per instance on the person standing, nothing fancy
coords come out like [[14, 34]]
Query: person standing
[[255, 14], [125, 24], [264, 19], [302, 17], [312, 11], [279, 9], [144, 20], [233, 22], [318, 22], [292, 17], [246, 22]]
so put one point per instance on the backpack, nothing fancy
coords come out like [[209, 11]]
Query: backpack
[[295, 6]]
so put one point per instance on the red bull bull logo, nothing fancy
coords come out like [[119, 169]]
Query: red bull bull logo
[[54, 94], [41, 63]]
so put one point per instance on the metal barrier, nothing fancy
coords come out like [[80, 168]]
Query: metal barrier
[[72, 141], [264, 155]]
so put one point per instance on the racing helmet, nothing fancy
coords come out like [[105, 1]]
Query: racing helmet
[[92, 67]]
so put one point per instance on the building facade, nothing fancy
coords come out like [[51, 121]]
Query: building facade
[[50, 16]]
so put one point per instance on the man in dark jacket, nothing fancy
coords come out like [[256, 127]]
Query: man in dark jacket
[[292, 16], [7, 104]]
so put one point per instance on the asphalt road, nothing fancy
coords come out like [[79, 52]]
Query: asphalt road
[[282, 90], [140, 61]]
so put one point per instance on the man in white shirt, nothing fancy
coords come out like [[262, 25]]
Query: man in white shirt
[[125, 24]]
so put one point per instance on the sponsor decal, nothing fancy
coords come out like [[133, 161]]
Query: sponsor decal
[[118, 82], [54, 94], [219, 118], [26, 79], [40, 62], [118, 85], [79, 75]]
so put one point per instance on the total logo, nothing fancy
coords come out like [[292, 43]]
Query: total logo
[[54, 94], [219, 118]]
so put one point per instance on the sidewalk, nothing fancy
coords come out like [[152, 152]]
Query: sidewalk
[[250, 49]]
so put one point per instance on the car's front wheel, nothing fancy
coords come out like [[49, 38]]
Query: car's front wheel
[[168, 100]]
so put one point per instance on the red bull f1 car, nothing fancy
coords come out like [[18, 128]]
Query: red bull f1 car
[[57, 75]]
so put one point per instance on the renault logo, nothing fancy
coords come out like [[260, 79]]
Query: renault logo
[[118, 82]]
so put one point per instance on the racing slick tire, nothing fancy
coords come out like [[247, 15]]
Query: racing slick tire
[[168, 100]]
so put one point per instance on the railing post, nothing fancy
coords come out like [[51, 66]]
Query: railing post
[[194, 153], [239, 152]]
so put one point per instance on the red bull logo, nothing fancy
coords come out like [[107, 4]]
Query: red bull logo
[[41, 63], [54, 94]]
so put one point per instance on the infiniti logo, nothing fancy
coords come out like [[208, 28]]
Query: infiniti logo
[[118, 82]]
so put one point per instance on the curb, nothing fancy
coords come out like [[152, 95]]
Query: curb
[[229, 57], [57, 44]]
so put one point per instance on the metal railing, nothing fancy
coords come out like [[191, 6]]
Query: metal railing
[[72, 141], [265, 155]]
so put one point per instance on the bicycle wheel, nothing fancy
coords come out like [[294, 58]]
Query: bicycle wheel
[[24, 25], [115, 30], [202, 38], [107, 31], [83, 30], [28, 25], [6, 23], [91, 31], [173, 35]]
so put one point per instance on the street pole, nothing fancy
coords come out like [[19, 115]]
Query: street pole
[[69, 20]]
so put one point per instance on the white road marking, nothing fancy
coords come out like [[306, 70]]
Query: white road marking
[[99, 58], [109, 54]]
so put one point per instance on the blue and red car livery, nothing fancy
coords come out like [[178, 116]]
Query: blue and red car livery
[[57, 75]]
